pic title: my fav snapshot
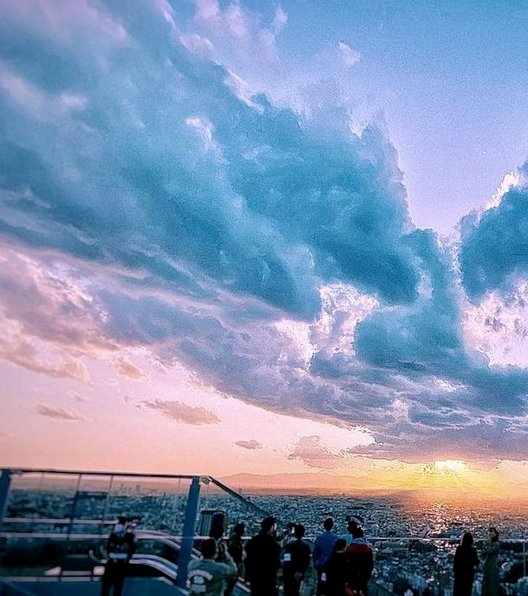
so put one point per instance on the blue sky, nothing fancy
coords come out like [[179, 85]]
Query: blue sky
[[319, 214]]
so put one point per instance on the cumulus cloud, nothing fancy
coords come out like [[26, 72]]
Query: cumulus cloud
[[237, 33], [493, 253], [152, 200], [251, 445], [51, 411], [182, 412]]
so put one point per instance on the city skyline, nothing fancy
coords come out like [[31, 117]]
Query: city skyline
[[266, 238]]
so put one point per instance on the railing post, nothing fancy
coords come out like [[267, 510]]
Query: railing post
[[189, 524], [5, 483]]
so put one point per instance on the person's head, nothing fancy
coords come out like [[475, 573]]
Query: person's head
[[493, 534], [357, 532], [352, 525], [467, 539], [208, 548], [298, 531], [267, 525], [122, 519], [328, 524], [340, 545], [239, 529]]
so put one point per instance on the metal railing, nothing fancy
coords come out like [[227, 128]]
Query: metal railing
[[88, 503]]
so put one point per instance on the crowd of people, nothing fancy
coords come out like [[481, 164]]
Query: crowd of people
[[343, 565]]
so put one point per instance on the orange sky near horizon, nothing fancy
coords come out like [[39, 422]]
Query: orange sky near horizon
[[239, 442]]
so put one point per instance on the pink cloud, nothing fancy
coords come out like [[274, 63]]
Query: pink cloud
[[182, 412], [60, 413], [22, 353], [126, 369], [312, 452]]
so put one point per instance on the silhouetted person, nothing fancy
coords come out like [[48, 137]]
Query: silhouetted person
[[490, 571], [352, 526], [323, 547], [263, 560], [466, 559], [235, 547], [296, 561], [360, 563], [335, 570], [207, 576], [120, 547]]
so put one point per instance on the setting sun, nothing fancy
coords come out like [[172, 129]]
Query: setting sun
[[451, 465]]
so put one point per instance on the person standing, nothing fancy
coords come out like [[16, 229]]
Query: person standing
[[323, 547], [336, 570], [207, 576], [263, 559], [490, 572], [296, 562], [120, 547], [466, 559], [235, 548], [360, 563]]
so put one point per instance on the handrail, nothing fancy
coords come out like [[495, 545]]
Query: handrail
[[203, 478], [17, 471], [238, 496]]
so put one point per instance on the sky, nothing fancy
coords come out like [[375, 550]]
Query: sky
[[286, 240]]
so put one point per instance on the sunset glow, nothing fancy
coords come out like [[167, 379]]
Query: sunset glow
[[451, 465]]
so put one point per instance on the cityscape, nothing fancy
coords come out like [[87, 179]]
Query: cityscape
[[413, 539]]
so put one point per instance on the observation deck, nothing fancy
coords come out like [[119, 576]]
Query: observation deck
[[54, 525]]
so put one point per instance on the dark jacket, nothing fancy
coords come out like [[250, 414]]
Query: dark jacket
[[262, 560], [466, 559], [296, 558], [120, 546], [336, 569], [235, 548]]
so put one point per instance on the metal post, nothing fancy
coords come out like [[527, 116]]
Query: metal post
[[524, 558], [189, 524], [5, 483]]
